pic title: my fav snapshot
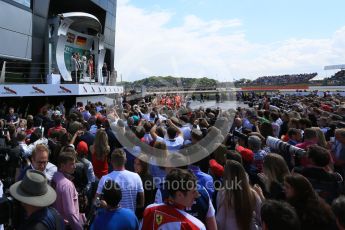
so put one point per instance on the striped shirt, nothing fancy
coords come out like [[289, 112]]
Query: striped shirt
[[130, 184]]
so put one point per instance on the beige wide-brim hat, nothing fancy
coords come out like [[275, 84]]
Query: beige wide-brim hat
[[34, 190]]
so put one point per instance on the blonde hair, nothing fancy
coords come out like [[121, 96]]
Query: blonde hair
[[321, 140], [22, 121], [39, 148], [241, 200], [295, 115], [275, 169], [100, 146], [340, 132]]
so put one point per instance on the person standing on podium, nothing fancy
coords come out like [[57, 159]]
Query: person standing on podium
[[105, 74]]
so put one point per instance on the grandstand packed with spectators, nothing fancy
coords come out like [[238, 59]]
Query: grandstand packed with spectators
[[158, 164], [337, 79], [286, 79]]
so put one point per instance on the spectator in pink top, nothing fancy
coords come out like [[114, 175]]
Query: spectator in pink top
[[310, 138], [67, 197]]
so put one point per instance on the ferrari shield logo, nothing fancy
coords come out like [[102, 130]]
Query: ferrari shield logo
[[159, 219]]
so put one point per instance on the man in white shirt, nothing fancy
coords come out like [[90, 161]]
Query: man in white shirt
[[186, 127], [275, 123], [24, 149], [39, 161], [144, 113], [174, 141], [130, 182], [147, 137]]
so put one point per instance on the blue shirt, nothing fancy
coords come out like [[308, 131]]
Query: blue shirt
[[45, 218], [86, 115], [292, 142], [204, 179], [157, 173], [120, 219], [339, 150], [260, 155], [247, 124]]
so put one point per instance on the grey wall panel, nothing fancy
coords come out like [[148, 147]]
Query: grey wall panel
[[107, 36], [29, 49], [41, 7], [108, 20], [15, 45], [15, 19], [103, 4], [110, 42], [110, 7], [113, 22], [39, 28], [112, 38]]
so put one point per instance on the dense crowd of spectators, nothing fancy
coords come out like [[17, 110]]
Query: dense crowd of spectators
[[337, 79], [286, 79], [160, 165]]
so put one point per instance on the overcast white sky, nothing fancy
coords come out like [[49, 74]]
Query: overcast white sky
[[227, 40]]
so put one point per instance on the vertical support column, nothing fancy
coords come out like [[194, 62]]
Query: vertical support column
[[3, 71]]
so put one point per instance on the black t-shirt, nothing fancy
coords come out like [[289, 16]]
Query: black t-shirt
[[327, 185], [318, 174]]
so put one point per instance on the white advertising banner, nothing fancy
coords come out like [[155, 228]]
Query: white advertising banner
[[30, 90], [99, 89]]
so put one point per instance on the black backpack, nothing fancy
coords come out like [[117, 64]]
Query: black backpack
[[80, 182], [80, 175]]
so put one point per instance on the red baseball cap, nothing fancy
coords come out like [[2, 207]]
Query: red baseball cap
[[82, 148], [216, 168], [247, 154]]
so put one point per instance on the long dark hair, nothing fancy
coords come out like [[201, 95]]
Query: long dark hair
[[303, 190], [313, 211]]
